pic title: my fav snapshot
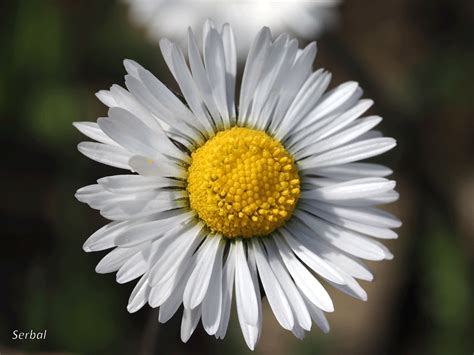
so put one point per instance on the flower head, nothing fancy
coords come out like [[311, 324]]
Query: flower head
[[221, 197], [171, 18]]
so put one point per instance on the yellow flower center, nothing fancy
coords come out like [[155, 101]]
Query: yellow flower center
[[243, 183]]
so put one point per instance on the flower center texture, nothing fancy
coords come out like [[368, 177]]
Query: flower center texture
[[243, 183]]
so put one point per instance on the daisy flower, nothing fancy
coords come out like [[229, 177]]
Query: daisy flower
[[224, 200], [171, 18]]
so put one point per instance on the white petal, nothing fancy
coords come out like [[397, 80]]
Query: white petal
[[352, 242], [152, 230], [201, 78], [275, 295], [335, 101], [349, 153], [125, 100], [307, 97], [350, 190], [244, 289], [348, 264], [175, 60], [135, 136], [134, 267], [305, 281], [216, 72], [189, 322], [117, 257], [126, 184], [139, 295], [230, 52], [106, 154], [363, 125], [105, 236], [297, 304], [153, 167], [227, 290], [373, 225], [250, 332], [317, 315], [353, 171], [199, 280], [182, 248], [93, 131], [164, 200], [256, 60], [340, 122], [212, 303], [314, 261], [301, 69], [174, 116], [351, 287], [106, 97], [169, 307]]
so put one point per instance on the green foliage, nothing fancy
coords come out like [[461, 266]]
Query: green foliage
[[448, 293]]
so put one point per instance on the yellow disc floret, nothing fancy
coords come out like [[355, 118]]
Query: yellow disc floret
[[243, 183]]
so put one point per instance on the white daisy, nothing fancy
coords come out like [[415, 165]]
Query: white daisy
[[217, 197], [171, 18]]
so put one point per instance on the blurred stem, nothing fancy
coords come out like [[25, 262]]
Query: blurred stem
[[150, 335]]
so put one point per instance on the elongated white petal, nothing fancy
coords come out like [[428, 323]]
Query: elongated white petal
[[306, 99], [297, 304], [253, 66], [244, 289], [314, 261], [350, 190], [230, 52], [201, 78], [189, 322], [106, 98], [151, 230], [370, 227], [351, 242], [303, 278], [250, 332], [126, 184], [338, 123], [349, 153], [214, 60], [93, 131], [152, 167], [317, 315], [337, 140], [200, 278], [332, 101], [106, 154], [212, 303], [134, 267], [174, 299], [227, 290], [346, 263], [116, 258], [175, 60], [176, 253], [352, 171], [275, 295], [139, 295]]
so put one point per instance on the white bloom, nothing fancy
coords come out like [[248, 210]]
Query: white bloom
[[171, 18], [228, 196]]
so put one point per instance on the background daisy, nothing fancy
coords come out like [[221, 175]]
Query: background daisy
[[305, 19]]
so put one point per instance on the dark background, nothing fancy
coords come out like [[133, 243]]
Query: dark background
[[414, 57]]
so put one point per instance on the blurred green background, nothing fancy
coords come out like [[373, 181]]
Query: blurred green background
[[414, 57]]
